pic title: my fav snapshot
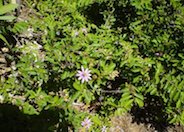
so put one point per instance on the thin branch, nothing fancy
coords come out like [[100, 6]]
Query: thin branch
[[111, 91]]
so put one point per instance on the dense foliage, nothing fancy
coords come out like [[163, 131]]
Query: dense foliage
[[133, 48]]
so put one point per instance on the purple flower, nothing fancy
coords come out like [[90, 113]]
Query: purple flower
[[84, 75], [76, 33], [104, 129], [86, 123]]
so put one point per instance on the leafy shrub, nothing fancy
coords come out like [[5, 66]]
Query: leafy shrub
[[128, 60], [3, 18]]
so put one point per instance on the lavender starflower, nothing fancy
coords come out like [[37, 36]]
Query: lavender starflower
[[76, 33], [84, 75], [104, 129], [86, 123]]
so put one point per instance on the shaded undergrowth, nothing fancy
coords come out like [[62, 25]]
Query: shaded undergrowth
[[13, 120]]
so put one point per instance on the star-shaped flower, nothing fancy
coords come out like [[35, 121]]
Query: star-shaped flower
[[84, 75], [86, 123]]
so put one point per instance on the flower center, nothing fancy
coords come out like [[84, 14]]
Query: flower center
[[84, 74]]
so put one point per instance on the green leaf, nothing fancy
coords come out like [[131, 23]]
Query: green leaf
[[1, 3], [173, 120], [135, 70], [178, 104], [176, 96], [108, 68], [65, 75], [139, 102], [10, 18], [125, 97], [4, 39], [29, 109], [128, 103], [119, 111], [139, 96], [7, 8], [88, 96], [154, 91], [182, 115], [172, 93], [19, 27], [111, 66], [75, 96], [151, 87], [77, 85], [96, 120], [159, 69]]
